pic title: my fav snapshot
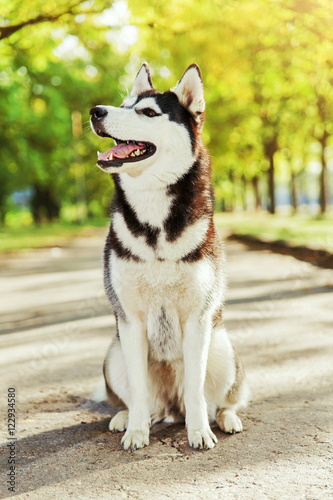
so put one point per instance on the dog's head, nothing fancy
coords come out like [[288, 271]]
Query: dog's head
[[153, 129]]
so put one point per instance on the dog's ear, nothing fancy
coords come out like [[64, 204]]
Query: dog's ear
[[190, 91], [142, 81]]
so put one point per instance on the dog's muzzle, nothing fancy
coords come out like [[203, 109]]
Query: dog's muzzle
[[125, 151]]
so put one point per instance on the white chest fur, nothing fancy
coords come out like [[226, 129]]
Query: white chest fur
[[152, 206], [163, 295]]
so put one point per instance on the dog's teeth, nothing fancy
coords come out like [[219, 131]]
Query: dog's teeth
[[132, 154], [143, 151], [137, 152]]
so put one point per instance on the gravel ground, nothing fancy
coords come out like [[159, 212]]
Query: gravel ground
[[57, 325]]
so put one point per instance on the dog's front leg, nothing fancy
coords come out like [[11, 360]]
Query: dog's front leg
[[197, 333], [134, 346]]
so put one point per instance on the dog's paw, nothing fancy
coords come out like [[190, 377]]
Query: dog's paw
[[203, 438], [229, 422], [133, 440], [119, 422]]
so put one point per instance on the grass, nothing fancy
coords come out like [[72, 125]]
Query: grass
[[298, 230], [58, 234]]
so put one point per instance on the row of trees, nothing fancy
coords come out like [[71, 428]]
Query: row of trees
[[268, 77], [269, 84]]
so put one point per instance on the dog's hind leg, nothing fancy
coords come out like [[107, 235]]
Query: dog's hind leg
[[237, 397], [119, 422], [225, 387], [228, 421], [115, 376], [116, 385]]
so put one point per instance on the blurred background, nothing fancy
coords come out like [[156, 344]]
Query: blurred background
[[268, 72]]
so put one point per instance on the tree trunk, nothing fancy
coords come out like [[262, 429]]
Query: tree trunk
[[271, 147], [2, 217], [223, 205], [271, 185], [244, 186], [324, 195], [323, 188], [255, 184], [230, 205], [43, 205], [231, 201], [293, 191]]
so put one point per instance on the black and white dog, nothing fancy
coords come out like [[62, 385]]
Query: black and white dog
[[172, 357]]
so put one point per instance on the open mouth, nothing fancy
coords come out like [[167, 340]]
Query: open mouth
[[125, 152]]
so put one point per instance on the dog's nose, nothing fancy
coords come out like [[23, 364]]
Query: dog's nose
[[98, 112]]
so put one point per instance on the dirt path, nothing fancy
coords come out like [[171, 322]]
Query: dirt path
[[56, 327]]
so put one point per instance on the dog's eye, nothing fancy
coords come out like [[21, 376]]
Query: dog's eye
[[149, 112]]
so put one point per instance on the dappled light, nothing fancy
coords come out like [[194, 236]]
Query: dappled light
[[268, 87], [57, 345], [267, 102]]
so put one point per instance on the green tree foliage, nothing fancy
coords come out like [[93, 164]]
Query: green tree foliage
[[267, 71], [268, 77], [47, 73]]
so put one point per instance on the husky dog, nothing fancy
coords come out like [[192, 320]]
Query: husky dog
[[163, 260]]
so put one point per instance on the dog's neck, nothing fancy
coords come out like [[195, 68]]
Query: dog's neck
[[163, 204]]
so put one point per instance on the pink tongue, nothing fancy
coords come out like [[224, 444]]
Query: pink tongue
[[121, 150]]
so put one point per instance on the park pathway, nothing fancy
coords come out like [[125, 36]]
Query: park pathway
[[56, 326]]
